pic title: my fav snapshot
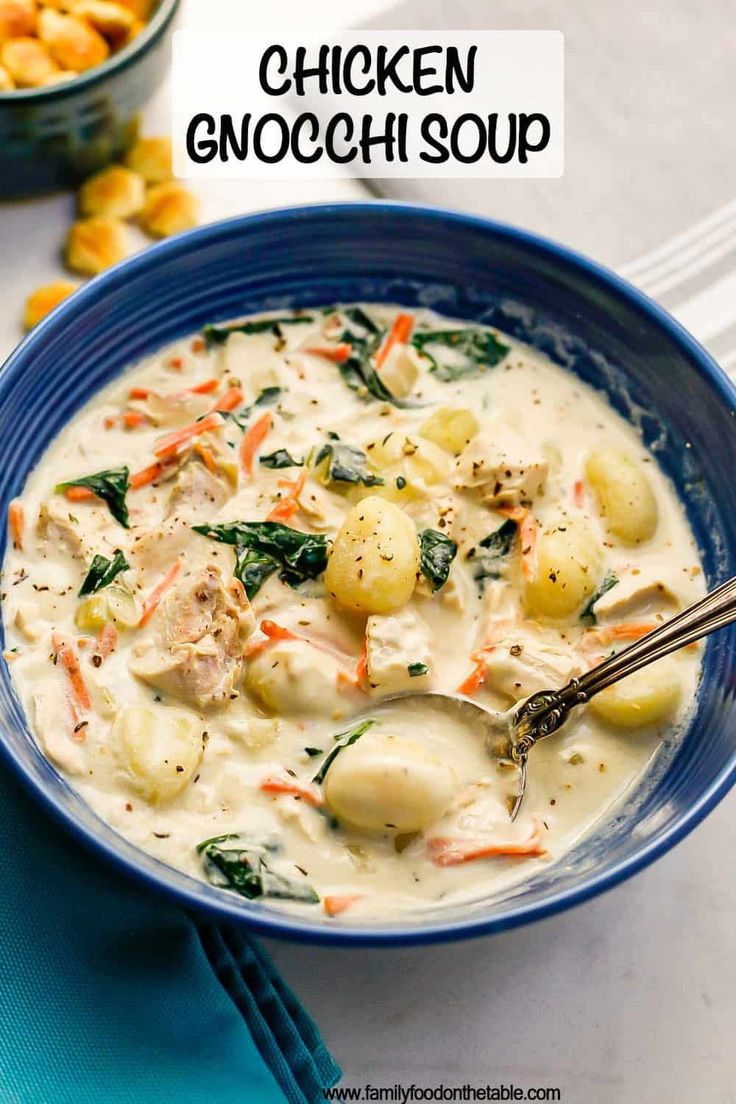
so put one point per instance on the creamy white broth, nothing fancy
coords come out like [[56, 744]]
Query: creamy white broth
[[235, 709]]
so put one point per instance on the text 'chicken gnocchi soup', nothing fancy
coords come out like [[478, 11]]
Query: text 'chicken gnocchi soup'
[[237, 550]]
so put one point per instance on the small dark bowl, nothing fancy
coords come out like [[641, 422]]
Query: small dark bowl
[[54, 137]]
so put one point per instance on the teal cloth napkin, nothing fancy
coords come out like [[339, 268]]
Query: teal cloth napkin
[[111, 995]]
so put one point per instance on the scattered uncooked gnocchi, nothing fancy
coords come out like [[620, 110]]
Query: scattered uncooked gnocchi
[[140, 191]]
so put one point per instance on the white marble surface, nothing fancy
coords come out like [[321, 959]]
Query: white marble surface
[[629, 999]]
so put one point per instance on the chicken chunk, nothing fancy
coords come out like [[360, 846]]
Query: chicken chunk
[[398, 652], [524, 662], [197, 493], [49, 705], [640, 593], [155, 550], [499, 467], [58, 525], [197, 653]]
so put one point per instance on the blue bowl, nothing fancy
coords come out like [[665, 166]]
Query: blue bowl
[[582, 316]]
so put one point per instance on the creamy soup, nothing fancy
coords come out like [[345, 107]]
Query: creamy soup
[[236, 551]]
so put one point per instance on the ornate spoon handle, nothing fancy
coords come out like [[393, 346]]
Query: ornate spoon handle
[[543, 713]]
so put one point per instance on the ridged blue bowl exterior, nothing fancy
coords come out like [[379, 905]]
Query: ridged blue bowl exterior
[[54, 137], [581, 315]]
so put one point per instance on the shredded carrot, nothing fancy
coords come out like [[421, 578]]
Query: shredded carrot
[[231, 400], [146, 475], [527, 536], [172, 442], [109, 421], [272, 632], [336, 903], [578, 493], [140, 392], [516, 513], [307, 792], [399, 334], [475, 680], [131, 419], [361, 667], [204, 388], [207, 457], [337, 353], [253, 439], [445, 851], [176, 363], [153, 600], [16, 523], [67, 656], [78, 494], [287, 506], [626, 630], [106, 642], [198, 345], [283, 510]]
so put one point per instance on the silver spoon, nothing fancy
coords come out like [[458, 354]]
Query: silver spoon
[[510, 736]]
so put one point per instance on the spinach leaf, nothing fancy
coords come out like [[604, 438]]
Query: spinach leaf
[[281, 458], [253, 569], [299, 556], [342, 740], [110, 485], [473, 350], [346, 464], [496, 546], [587, 614], [244, 868], [436, 553], [417, 669], [218, 335], [365, 337], [102, 572]]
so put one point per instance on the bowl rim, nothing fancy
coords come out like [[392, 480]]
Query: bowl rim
[[294, 926], [121, 59]]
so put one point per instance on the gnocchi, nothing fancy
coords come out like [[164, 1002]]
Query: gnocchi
[[648, 697], [42, 301], [94, 244], [115, 192], [158, 749], [624, 495], [168, 209], [452, 428], [295, 679], [374, 562], [389, 783], [565, 570], [151, 158]]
